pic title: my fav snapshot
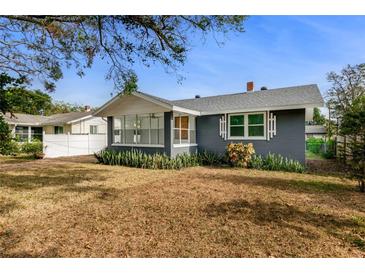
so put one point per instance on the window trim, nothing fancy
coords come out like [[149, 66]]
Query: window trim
[[246, 137], [96, 131], [136, 129], [56, 132], [189, 129]]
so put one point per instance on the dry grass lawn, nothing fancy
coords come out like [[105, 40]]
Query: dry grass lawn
[[76, 208]]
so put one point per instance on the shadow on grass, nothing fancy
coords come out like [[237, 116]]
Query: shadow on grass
[[16, 159], [8, 241], [286, 216], [7, 206], [59, 175], [346, 195]]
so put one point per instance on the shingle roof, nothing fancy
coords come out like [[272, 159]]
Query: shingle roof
[[305, 96], [28, 119], [20, 118], [274, 98], [65, 117]]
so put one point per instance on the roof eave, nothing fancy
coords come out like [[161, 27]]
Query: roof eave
[[266, 108], [80, 119], [186, 110], [137, 94]]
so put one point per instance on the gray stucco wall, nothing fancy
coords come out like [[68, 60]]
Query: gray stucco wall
[[289, 140]]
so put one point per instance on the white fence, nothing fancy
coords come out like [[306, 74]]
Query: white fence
[[57, 145]]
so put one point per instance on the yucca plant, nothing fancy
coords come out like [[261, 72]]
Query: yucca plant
[[136, 158], [275, 162]]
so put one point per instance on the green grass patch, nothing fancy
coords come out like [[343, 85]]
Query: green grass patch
[[309, 155]]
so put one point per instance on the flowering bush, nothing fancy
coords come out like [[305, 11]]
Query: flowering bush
[[239, 155]]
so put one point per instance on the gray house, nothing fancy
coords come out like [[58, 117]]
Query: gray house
[[273, 120]]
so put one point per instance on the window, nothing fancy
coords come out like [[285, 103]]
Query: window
[[36, 133], [21, 133], [256, 125], [58, 130], [184, 130], [143, 129], [93, 129], [182, 127], [246, 126], [237, 125]]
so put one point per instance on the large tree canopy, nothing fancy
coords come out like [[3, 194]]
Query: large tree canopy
[[16, 98], [40, 46], [346, 87]]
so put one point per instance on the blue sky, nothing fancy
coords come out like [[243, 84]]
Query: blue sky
[[275, 51]]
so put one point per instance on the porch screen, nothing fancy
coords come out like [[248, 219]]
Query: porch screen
[[143, 129]]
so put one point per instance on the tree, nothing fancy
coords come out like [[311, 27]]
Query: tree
[[8, 84], [353, 125], [318, 118], [15, 97], [63, 107], [41, 46], [347, 86], [5, 137]]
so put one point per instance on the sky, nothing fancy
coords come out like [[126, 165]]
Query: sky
[[274, 51]]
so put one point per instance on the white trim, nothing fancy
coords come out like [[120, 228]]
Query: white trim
[[149, 99], [79, 119], [137, 94], [267, 126], [289, 107], [223, 127], [246, 126], [184, 145], [185, 110], [25, 124], [136, 145], [189, 129]]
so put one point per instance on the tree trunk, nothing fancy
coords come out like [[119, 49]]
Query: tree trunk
[[362, 185]]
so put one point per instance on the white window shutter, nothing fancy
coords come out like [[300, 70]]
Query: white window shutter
[[272, 125], [223, 127]]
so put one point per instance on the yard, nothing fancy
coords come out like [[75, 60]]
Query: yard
[[76, 208]]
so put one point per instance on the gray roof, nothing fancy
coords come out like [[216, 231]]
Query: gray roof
[[25, 119], [306, 96], [279, 98], [65, 117], [28, 119]]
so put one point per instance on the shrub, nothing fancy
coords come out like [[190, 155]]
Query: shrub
[[330, 150], [239, 155], [314, 145], [34, 148], [5, 138], [275, 162], [207, 158], [139, 159], [136, 158]]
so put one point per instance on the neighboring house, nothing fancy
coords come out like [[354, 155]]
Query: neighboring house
[[273, 120], [317, 131], [27, 127]]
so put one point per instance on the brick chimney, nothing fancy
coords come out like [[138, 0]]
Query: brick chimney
[[87, 108], [250, 86]]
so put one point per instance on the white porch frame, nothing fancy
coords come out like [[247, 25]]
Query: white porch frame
[[188, 144]]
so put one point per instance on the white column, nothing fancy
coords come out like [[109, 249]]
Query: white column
[[68, 143], [29, 133], [13, 131]]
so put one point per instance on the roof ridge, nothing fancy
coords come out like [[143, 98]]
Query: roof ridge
[[245, 92]]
